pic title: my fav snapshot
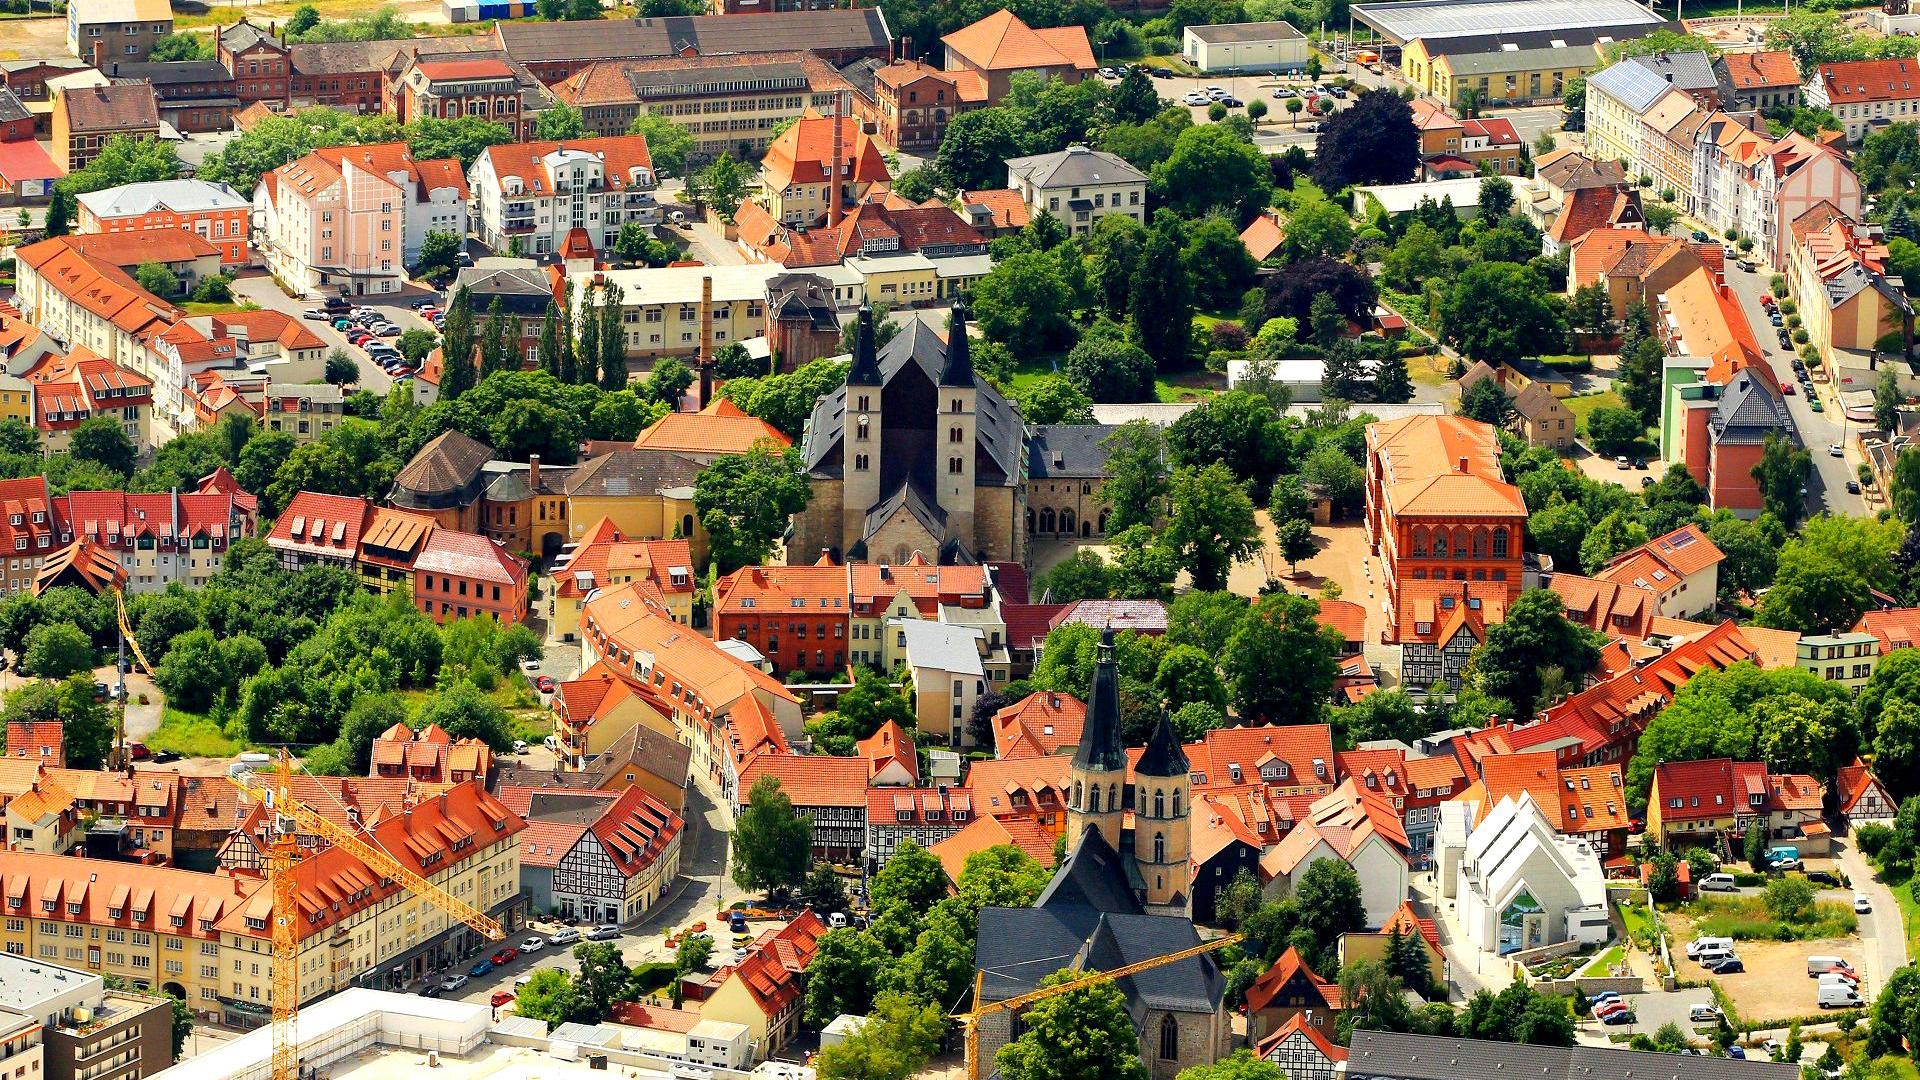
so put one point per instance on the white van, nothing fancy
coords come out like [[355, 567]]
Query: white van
[[837, 921], [1718, 883], [1835, 978], [1694, 946], [1702, 1014], [1835, 996], [1817, 965], [1717, 951]]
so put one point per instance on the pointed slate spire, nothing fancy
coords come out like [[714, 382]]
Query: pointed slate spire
[[866, 366], [1163, 755], [958, 369], [1100, 746]]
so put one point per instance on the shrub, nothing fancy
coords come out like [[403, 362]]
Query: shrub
[[1871, 838], [1786, 304]]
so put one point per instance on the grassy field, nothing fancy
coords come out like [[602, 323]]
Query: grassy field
[[1603, 963], [1746, 918], [192, 308], [1909, 913], [192, 735], [1583, 405], [1186, 386]]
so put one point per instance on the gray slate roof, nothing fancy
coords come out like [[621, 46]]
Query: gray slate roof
[[10, 107], [632, 39], [627, 472], [1068, 450], [1088, 912], [1750, 409], [1377, 1055], [997, 428], [1076, 166], [243, 35], [1404, 20], [171, 72], [1686, 71]]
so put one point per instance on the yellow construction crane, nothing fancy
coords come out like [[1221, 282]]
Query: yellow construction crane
[[970, 1021], [290, 817]]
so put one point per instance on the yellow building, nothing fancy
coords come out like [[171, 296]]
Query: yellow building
[[1514, 77], [762, 993], [597, 710], [16, 399], [604, 555], [206, 937], [898, 280], [661, 306]]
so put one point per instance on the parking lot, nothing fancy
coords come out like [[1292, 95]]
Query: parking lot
[[395, 307]]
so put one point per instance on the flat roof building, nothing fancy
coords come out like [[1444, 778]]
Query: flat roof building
[[1403, 21]]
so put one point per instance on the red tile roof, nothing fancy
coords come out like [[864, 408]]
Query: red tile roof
[[1897, 628], [890, 745], [636, 830], [1276, 978], [1853, 81], [716, 429], [1297, 1024], [36, 740], [803, 154], [1349, 618], [1039, 724], [813, 780], [1761, 70], [1002, 42], [1853, 782], [317, 523], [1297, 755], [987, 831], [776, 962]]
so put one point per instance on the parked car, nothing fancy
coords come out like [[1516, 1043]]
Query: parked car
[[604, 932], [480, 967], [1623, 462], [544, 684], [1862, 905], [451, 983], [532, 945], [1195, 97], [1787, 389], [500, 997], [1821, 877], [433, 990], [1624, 1016], [737, 922], [165, 756], [1232, 102], [1786, 856], [1853, 487], [138, 751], [316, 314], [566, 935], [1703, 1013], [1814, 404], [1738, 1053], [506, 956], [1604, 996], [1216, 92], [1730, 966]]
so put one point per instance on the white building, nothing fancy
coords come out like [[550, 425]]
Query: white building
[[1397, 199], [538, 192], [1079, 186], [1254, 46], [351, 219], [1867, 95], [1747, 181], [949, 674], [1617, 97], [1517, 883], [661, 305]]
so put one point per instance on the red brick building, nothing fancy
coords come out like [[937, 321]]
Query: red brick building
[[1439, 508], [913, 102], [261, 63], [786, 612]]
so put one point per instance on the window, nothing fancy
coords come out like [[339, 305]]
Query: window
[[1169, 1038]]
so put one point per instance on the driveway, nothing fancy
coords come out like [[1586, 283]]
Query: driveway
[[1883, 937], [1827, 487]]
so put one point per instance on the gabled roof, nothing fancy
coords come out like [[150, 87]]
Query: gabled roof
[[889, 745], [1853, 81], [1852, 783], [1001, 42], [1039, 724], [449, 463], [1897, 628], [1610, 607], [1076, 166], [1291, 971], [803, 154], [987, 831], [776, 963], [720, 428], [1760, 70], [1750, 409], [1299, 755], [812, 780]]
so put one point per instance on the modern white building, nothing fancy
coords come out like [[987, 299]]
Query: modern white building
[[536, 193], [1253, 46], [1745, 180], [1397, 199], [351, 219], [1516, 882]]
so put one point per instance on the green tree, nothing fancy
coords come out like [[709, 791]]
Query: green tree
[[1280, 662], [86, 724], [1611, 536], [974, 150], [1084, 575], [1221, 266], [1024, 303], [1535, 634], [1137, 481], [1903, 493], [439, 254], [902, 894], [340, 370], [1825, 576], [872, 702], [1372, 142], [457, 343], [899, 1038], [1110, 370], [157, 279], [723, 185], [1782, 474], [846, 974], [1210, 523], [1080, 1034], [824, 891], [1886, 401], [55, 651], [745, 500], [602, 981], [558, 121], [613, 339], [101, 440], [772, 847], [1499, 312], [668, 144], [1242, 1065], [1788, 899], [1051, 399], [691, 954], [1162, 295], [1330, 904], [1214, 166], [1486, 402], [60, 212], [1295, 541]]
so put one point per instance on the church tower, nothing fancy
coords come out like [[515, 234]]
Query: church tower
[[1161, 833], [1097, 779], [956, 427], [860, 469]]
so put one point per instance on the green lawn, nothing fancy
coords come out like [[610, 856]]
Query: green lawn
[[1583, 405], [1637, 919], [192, 735], [1909, 913], [1603, 963], [193, 308]]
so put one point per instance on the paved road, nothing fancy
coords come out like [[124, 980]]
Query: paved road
[[1827, 487], [1883, 937]]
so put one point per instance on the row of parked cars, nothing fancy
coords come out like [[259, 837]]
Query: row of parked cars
[[1838, 985], [507, 954]]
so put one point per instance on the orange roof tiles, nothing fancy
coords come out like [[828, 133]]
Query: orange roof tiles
[[1435, 611], [1611, 607], [777, 960], [1853, 81], [813, 780], [1442, 466], [1277, 978], [1761, 70], [1897, 628], [1345, 616], [1001, 42], [890, 745], [709, 431], [1662, 563], [605, 557], [803, 154], [184, 903], [1034, 780], [1292, 755], [987, 831], [1039, 724], [1297, 1025], [1007, 208]]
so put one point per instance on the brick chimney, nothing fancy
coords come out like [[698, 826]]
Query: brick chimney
[[533, 473], [833, 188], [706, 341], [1463, 463]]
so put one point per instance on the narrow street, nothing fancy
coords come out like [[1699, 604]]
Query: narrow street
[[1827, 487]]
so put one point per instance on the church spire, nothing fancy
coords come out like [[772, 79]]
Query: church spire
[[958, 369], [1100, 747], [866, 367], [1163, 755]]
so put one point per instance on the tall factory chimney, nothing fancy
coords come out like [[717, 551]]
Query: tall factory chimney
[[706, 341]]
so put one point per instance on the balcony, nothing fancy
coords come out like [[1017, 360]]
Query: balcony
[[516, 225]]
